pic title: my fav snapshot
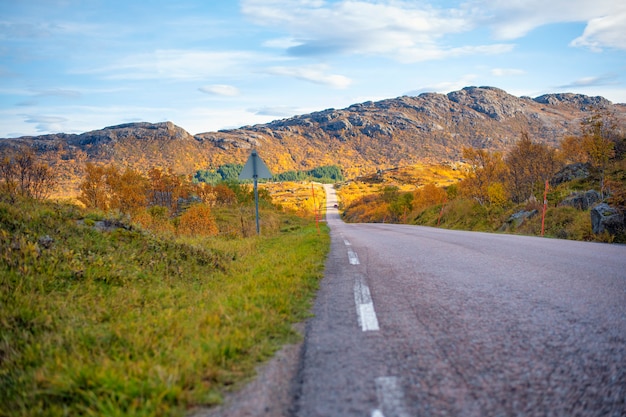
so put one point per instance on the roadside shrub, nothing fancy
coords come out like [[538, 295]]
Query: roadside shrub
[[562, 223], [497, 194], [155, 219], [197, 220]]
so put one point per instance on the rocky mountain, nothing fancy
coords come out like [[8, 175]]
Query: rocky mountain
[[405, 130], [361, 138]]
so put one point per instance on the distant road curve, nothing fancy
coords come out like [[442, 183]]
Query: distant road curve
[[416, 321]]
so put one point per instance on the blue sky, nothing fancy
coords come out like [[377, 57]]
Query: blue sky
[[78, 65]]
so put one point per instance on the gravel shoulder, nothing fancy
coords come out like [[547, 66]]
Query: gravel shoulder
[[270, 393]]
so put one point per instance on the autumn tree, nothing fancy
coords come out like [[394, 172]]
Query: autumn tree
[[128, 190], [94, 190], [529, 165], [165, 188], [8, 184], [497, 194], [572, 150], [599, 140], [21, 174], [484, 168], [206, 193]]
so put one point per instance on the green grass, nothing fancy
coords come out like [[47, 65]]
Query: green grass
[[124, 323]]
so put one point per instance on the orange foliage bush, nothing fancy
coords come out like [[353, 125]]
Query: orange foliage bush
[[197, 220], [224, 195], [429, 195]]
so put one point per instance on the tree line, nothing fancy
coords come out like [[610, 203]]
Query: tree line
[[230, 172], [162, 199]]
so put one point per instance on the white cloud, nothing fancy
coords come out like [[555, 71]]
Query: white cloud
[[604, 32], [606, 79], [220, 90], [505, 72], [428, 54], [46, 123], [276, 111], [281, 43], [446, 86], [391, 28], [314, 73], [175, 64], [405, 31], [605, 19], [58, 92]]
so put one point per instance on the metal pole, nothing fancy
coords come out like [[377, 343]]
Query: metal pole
[[255, 176], [256, 203]]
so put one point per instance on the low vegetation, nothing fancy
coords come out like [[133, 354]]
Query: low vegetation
[[491, 187], [100, 315]]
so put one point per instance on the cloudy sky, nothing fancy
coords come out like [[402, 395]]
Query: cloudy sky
[[79, 65]]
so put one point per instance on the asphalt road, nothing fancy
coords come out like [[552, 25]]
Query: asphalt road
[[415, 321]]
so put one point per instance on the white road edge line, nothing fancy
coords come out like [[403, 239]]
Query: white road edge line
[[390, 398], [365, 307]]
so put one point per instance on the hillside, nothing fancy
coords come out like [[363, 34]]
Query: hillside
[[362, 138], [408, 130], [100, 316]]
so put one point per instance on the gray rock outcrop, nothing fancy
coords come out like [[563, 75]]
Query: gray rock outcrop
[[570, 172], [606, 218], [517, 219], [582, 200]]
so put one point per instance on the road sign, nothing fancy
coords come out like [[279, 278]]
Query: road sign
[[254, 169]]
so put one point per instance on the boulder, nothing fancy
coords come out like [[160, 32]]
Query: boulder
[[571, 172], [582, 201], [606, 218], [517, 219]]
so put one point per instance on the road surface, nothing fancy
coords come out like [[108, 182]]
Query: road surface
[[415, 321]]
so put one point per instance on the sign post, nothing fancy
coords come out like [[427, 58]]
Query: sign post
[[254, 169]]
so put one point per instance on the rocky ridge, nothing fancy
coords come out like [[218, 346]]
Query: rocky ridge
[[361, 138]]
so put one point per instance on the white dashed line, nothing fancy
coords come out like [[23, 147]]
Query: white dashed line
[[390, 398], [352, 257], [364, 306], [362, 297]]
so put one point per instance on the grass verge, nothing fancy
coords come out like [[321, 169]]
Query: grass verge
[[124, 323]]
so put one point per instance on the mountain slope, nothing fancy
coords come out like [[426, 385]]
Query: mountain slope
[[406, 130], [361, 138]]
